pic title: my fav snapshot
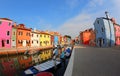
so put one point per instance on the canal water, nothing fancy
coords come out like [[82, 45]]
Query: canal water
[[15, 65]]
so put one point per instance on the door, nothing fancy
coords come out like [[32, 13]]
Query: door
[[24, 42], [13, 43], [101, 42], [3, 43]]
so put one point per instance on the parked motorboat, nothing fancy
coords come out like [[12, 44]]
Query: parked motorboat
[[41, 67]]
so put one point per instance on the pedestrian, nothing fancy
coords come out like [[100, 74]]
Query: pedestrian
[[62, 58], [68, 52], [55, 55]]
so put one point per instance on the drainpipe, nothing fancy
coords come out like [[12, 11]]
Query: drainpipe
[[109, 26]]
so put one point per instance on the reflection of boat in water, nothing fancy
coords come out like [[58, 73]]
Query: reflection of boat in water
[[41, 67]]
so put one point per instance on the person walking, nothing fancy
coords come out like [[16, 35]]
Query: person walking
[[55, 55]]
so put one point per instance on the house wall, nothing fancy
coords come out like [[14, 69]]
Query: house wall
[[104, 32], [25, 38], [13, 44], [100, 34], [5, 26], [117, 34], [35, 39]]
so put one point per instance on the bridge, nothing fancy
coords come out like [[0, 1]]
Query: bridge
[[92, 61]]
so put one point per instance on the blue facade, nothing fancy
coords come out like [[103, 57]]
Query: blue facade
[[56, 40], [104, 32]]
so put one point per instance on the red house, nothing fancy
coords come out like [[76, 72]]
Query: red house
[[87, 37]]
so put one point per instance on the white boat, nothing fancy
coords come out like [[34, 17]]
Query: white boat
[[41, 67]]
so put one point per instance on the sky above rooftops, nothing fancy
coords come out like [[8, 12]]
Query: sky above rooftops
[[65, 16]]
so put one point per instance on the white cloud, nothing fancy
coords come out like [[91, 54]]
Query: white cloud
[[72, 3], [86, 18], [94, 3], [75, 25]]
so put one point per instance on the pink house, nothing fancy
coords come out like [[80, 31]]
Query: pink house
[[117, 32], [5, 32]]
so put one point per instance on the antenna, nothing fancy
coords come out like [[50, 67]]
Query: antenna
[[106, 14]]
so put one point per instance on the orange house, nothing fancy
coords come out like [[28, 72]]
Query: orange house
[[23, 36], [87, 37]]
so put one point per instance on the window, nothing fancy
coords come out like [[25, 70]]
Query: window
[[20, 33], [9, 23], [37, 42], [44, 35], [97, 21], [8, 33], [0, 22], [14, 33], [7, 41], [102, 29], [32, 42], [32, 35], [103, 41], [48, 36], [40, 43], [40, 35], [37, 35]]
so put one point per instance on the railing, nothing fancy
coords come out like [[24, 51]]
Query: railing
[[69, 68]]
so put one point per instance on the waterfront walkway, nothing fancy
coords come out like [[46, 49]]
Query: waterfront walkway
[[91, 61], [30, 50]]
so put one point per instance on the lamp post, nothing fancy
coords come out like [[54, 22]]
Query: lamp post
[[109, 27]]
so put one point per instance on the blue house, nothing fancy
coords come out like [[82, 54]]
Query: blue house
[[104, 32], [56, 40]]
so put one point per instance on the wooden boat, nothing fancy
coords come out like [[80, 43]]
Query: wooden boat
[[41, 67]]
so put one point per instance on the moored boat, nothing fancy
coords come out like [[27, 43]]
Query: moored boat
[[41, 67]]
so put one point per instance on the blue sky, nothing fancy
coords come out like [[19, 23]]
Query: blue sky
[[65, 16]]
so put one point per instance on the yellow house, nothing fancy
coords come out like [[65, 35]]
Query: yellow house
[[45, 55], [45, 39]]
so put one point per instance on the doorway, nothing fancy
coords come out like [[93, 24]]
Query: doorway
[[3, 43]]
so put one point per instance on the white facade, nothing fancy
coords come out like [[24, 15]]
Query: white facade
[[35, 39]]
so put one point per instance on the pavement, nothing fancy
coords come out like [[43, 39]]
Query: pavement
[[92, 61]]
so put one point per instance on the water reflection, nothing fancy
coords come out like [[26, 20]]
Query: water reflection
[[14, 65]]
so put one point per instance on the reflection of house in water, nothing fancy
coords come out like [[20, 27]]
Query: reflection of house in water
[[25, 61], [8, 67], [36, 58], [104, 32], [45, 55]]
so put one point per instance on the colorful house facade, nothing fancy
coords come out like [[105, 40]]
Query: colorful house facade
[[104, 32], [6, 32], [23, 36], [117, 32], [14, 32], [35, 38], [45, 39]]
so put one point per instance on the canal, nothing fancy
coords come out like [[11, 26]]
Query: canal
[[15, 65]]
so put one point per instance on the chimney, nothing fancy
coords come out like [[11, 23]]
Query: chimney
[[106, 14], [15, 24], [113, 20]]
